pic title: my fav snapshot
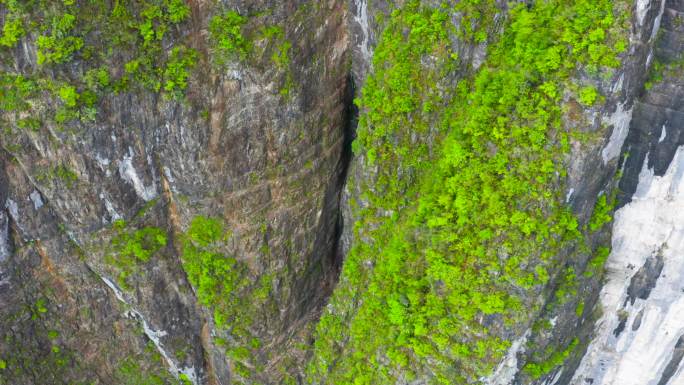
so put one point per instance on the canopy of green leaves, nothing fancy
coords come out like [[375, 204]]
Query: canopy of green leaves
[[467, 225]]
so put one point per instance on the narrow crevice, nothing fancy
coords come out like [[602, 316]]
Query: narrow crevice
[[325, 273], [6, 237], [351, 120]]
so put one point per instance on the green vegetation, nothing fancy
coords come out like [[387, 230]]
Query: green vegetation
[[58, 173], [222, 284], [454, 231], [655, 75], [66, 175], [596, 264], [536, 370], [120, 46], [69, 96], [459, 232], [13, 29], [579, 310], [39, 308], [280, 56], [567, 287], [661, 70], [603, 213], [176, 72], [588, 96], [131, 248], [15, 90], [231, 39], [140, 245], [29, 349], [136, 370], [185, 380], [58, 46], [130, 373], [226, 37]]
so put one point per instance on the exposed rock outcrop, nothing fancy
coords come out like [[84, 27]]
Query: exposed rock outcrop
[[256, 145]]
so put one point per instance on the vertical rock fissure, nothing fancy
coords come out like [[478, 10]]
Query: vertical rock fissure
[[5, 228], [351, 120]]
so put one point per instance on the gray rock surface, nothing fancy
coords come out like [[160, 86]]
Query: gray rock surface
[[270, 166]]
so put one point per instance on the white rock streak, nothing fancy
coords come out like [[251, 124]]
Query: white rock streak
[[5, 250], [641, 10], [620, 120], [128, 173], [154, 335], [652, 223], [508, 368], [361, 18], [658, 19], [36, 199]]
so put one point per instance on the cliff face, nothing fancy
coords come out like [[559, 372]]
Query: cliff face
[[179, 202], [547, 344], [97, 280], [638, 337]]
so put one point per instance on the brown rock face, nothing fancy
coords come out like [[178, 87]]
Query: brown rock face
[[258, 146]]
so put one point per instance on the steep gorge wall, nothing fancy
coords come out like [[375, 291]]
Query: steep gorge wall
[[638, 337], [254, 146], [547, 345], [193, 233]]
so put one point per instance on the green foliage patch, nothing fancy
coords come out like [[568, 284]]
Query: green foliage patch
[[538, 369], [176, 73], [120, 46], [146, 368], [453, 239], [132, 248], [227, 36], [13, 28], [223, 285], [58, 45], [603, 212]]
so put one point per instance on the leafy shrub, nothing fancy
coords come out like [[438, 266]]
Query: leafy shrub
[[69, 96], [588, 95], [141, 245], [223, 285], [178, 10], [15, 91], [176, 73], [58, 47], [131, 248], [226, 36], [536, 370], [97, 78], [65, 174], [602, 214], [597, 262], [12, 31]]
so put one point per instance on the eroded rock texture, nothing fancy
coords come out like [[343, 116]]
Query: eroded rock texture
[[268, 164]]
